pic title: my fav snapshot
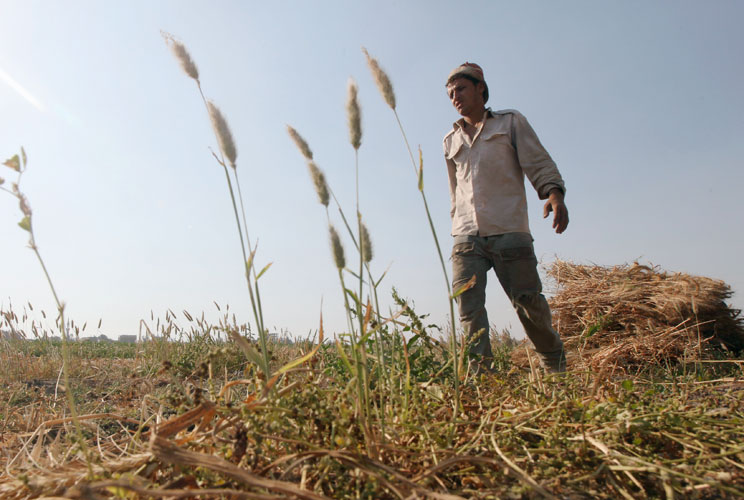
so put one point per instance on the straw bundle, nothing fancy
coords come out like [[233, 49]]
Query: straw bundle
[[628, 316]]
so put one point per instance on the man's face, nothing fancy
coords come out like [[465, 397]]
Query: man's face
[[466, 96]]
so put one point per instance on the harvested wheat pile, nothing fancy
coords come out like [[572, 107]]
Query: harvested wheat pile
[[627, 316]]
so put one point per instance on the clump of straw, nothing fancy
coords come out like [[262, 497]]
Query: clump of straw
[[632, 316], [366, 245], [319, 181], [222, 130], [183, 56], [300, 143], [354, 115], [338, 249], [381, 79]]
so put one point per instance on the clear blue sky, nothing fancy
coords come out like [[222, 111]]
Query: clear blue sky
[[638, 102]]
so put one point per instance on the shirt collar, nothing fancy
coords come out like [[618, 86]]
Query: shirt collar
[[460, 124]]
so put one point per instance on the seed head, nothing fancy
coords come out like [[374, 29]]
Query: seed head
[[354, 115], [183, 56], [321, 187], [366, 245], [381, 79], [224, 136], [300, 143], [338, 250]]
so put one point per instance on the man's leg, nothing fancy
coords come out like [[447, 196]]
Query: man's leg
[[516, 267], [468, 259]]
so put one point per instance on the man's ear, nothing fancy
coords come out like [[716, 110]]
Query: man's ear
[[480, 87]]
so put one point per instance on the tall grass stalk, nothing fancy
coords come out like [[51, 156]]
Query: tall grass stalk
[[386, 90], [18, 163], [229, 151], [357, 334]]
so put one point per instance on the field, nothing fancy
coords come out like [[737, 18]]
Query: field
[[196, 420]]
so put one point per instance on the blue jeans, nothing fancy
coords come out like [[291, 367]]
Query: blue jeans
[[512, 257]]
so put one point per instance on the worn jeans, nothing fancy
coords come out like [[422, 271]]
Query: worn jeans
[[512, 257]]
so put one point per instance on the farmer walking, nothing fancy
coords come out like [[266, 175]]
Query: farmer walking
[[488, 155]]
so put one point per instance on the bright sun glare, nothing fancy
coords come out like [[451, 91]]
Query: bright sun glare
[[21, 91]]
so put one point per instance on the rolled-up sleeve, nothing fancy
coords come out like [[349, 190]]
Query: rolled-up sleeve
[[535, 161]]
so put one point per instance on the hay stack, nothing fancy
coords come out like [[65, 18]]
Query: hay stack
[[628, 316]]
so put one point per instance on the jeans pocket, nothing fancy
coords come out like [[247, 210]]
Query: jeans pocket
[[517, 253], [465, 248]]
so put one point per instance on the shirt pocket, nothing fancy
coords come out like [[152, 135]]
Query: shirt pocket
[[455, 147], [498, 140]]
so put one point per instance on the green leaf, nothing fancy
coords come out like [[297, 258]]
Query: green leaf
[[592, 330], [249, 263], [344, 357], [25, 224], [250, 352], [355, 275], [464, 288], [380, 280], [23, 156], [353, 296], [627, 385], [13, 163], [266, 268], [421, 170]]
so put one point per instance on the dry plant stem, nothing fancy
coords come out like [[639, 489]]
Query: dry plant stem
[[65, 358], [61, 309]]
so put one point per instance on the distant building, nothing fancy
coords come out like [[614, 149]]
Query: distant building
[[100, 338], [128, 339]]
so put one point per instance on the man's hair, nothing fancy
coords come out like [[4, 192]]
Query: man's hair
[[472, 79]]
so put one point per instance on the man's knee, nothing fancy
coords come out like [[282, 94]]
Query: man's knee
[[526, 299]]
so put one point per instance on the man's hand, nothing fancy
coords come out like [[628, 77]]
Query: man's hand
[[555, 204]]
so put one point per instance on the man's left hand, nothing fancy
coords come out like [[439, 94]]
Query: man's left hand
[[555, 204]]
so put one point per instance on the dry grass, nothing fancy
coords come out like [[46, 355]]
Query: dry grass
[[185, 419], [627, 317]]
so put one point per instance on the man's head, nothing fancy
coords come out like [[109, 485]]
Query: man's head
[[468, 91], [471, 72]]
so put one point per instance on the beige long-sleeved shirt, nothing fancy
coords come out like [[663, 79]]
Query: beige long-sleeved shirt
[[486, 174]]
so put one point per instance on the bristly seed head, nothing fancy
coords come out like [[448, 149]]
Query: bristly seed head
[[338, 250], [381, 79], [224, 136], [300, 143], [183, 56], [354, 115], [321, 187], [366, 245]]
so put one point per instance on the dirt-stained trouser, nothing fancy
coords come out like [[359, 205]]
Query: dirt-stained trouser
[[512, 257]]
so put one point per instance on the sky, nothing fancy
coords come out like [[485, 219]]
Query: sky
[[639, 103]]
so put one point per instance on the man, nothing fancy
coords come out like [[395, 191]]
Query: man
[[488, 155]]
